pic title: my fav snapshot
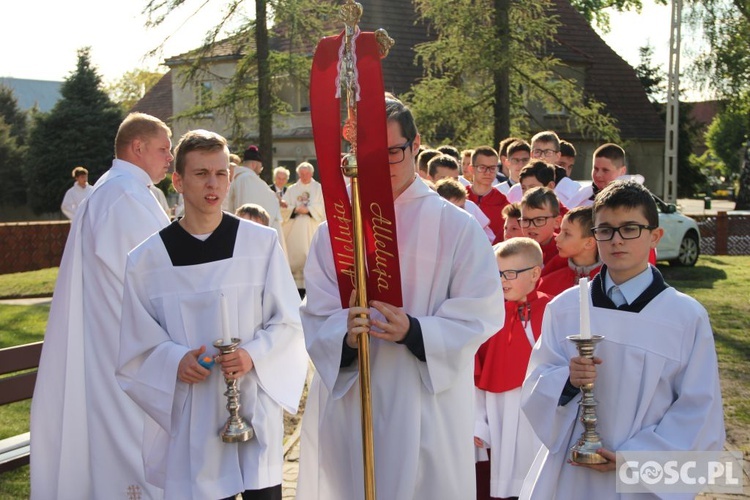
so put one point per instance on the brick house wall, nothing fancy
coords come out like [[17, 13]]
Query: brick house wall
[[28, 246]]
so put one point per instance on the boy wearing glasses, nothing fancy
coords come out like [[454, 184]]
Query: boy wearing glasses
[[421, 354], [518, 154], [545, 146], [481, 192], [540, 219], [656, 374], [577, 246], [500, 367]]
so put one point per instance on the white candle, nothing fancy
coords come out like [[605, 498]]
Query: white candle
[[225, 321], [585, 321]]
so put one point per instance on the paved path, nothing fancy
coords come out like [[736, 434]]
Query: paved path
[[27, 302], [290, 472], [695, 207]]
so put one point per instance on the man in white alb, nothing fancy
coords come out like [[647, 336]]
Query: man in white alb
[[87, 432], [422, 355]]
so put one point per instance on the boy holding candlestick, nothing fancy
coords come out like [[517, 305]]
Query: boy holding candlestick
[[207, 276], [656, 374]]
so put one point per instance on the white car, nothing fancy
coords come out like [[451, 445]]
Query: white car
[[680, 244]]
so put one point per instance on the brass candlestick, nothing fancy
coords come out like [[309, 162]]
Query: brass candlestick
[[584, 451], [236, 429]]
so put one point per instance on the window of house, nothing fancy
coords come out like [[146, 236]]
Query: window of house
[[555, 109], [203, 96], [296, 95]]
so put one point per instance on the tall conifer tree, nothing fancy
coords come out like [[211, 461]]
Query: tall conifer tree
[[79, 130]]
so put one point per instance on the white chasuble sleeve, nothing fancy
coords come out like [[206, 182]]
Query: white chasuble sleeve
[[277, 348], [148, 358], [317, 206]]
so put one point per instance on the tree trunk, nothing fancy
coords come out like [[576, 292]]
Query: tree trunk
[[265, 113], [501, 75], [743, 196]]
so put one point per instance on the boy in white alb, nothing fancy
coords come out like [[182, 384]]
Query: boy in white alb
[[177, 283], [657, 380]]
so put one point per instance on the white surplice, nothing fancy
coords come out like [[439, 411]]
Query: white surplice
[[169, 310], [248, 187], [73, 199], [423, 412], [86, 434], [657, 389], [567, 191], [502, 425], [300, 228], [481, 218]]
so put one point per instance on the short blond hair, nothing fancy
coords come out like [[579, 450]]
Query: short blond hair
[[137, 126], [521, 246]]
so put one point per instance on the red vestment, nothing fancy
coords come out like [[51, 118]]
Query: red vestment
[[492, 205], [500, 363]]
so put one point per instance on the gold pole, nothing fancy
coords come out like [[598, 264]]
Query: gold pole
[[351, 12]]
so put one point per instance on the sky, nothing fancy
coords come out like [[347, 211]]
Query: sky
[[40, 37]]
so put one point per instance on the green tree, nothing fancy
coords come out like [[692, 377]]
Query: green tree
[[726, 137], [723, 68], [252, 92], [79, 130], [12, 190], [128, 89], [13, 115], [489, 60], [13, 137]]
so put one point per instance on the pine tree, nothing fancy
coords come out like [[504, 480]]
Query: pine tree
[[79, 130], [12, 190], [13, 115], [13, 137]]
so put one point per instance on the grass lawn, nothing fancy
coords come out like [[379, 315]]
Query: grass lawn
[[721, 284], [31, 284]]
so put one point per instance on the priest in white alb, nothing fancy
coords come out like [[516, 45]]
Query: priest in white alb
[[304, 211], [209, 276]]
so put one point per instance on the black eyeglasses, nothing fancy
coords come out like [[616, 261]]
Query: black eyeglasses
[[512, 274], [546, 153], [626, 231], [396, 154], [485, 168], [537, 221]]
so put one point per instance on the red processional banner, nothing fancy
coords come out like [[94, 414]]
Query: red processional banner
[[376, 197]]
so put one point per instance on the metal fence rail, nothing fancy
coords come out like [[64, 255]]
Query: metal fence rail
[[724, 234]]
